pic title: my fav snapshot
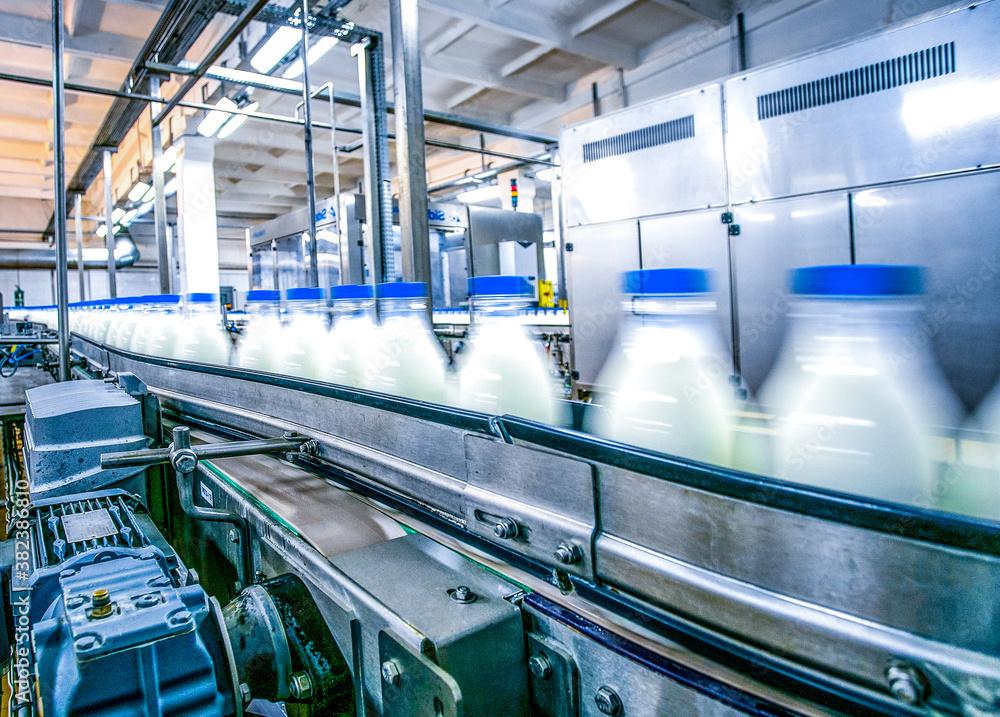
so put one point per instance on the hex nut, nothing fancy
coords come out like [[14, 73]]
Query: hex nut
[[567, 553], [608, 702], [301, 686], [390, 673], [506, 529], [463, 594], [906, 683], [539, 666]]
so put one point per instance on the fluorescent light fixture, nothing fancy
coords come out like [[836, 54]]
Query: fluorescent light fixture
[[116, 228], [138, 191], [275, 49], [144, 209], [102, 230], [129, 216], [548, 174], [254, 79], [148, 196], [236, 121], [216, 118], [316, 51], [117, 214], [169, 158], [480, 194]]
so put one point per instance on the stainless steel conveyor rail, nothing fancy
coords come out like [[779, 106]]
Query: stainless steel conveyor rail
[[850, 603]]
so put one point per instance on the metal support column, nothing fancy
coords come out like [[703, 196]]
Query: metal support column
[[308, 140], [375, 138], [411, 164], [109, 238], [59, 161], [159, 197], [80, 269]]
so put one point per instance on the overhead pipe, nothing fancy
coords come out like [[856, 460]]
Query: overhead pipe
[[126, 255]]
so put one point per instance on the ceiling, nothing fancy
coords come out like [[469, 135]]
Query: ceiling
[[487, 59]]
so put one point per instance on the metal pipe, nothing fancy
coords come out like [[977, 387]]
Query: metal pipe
[[307, 140], [59, 160], [126, 254], [109, 237], [411, 159], [78, 207], [490, 173], [159, 197], [224, 42], [208, 451], [741, 38], [378, 201]]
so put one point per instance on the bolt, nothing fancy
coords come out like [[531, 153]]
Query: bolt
[[301, 686], [87, 642], [185, 461], [539, 666], [245, 693], [234, 535], [463, 594], [147, 600], [101, 600], [179, 617], [567, 553], [75, 602], [608, 701], [506, 529], [906, 683], [390, 673]]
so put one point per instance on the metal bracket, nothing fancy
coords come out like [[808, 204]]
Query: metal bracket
[[412, 685], [553, 679]]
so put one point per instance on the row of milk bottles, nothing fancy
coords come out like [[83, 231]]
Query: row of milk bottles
[[857, 403], [395, 351]]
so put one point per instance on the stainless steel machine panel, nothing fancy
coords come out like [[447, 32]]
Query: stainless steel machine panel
[[950, 226], [695, 239], [774, 238], [658, 157], [914, 100], [594, 265], [489, 227]]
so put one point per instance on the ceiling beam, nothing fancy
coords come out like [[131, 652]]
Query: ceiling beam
[[477, 74], [522, 61], [24, 30], [447, 37], [464, 95], [22, 192], [718, 12], [540, 28], [604, 12]]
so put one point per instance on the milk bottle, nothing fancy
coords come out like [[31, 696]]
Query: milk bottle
[[122, 326], [408, 360], [200, 337], [854, 392], [103, 313], [304, 334], [260, 346], [157, 332], [667, 388], [353, 335], [504, 371]]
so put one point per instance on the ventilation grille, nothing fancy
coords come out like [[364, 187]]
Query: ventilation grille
[[638, 139], [123, 531], [881, 76]]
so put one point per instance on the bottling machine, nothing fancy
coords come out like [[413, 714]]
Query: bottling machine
[[188, 539]]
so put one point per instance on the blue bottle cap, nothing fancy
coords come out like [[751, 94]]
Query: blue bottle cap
[[857, 280], [668, 281], [201, 297], [263, 295], [304, 294], [352, 291], [515, 286], [162, 299], [402, 290]]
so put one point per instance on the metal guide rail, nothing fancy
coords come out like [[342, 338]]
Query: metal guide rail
[[849, 603]]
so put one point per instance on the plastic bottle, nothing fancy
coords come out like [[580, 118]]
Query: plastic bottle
[[407, 359], [855, 392], [122, 326], [157, 332], [200, 337], [260, 347], [304, 334], [667, 387], [504, 371], [101, 315], [353, 335]]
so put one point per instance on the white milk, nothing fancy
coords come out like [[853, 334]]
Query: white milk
[[666, 387], [159, 313], [352, 337], [260, 346], [304, 335], [854, 394], [503, 371], [407, 359], [199, 336]]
